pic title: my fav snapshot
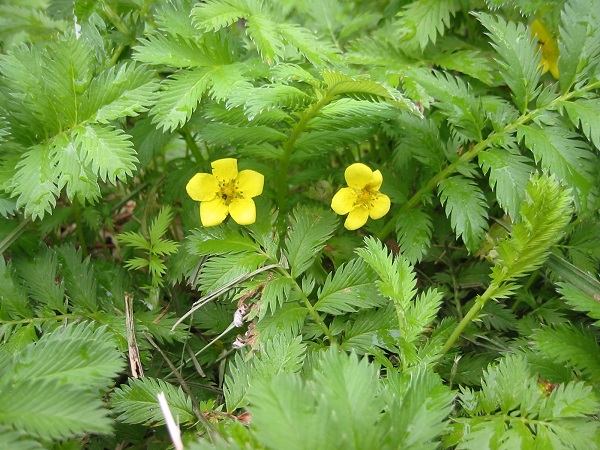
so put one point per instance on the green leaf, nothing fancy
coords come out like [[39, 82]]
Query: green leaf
[[544, 215], [519, 57], [52, 409], [175, 51], [509, 173], [120, 91], [414, 231], [78, 356], [136, 402], [422, 21], [308, 233], [35, 182], [265, 34], [160, 225], [13, 298], [134, 240], [179, 97], [571, 345], [465, 205], [318, 51], [580, 301], [40, 279], [17, 440], [418, 410], [74, 172], [579, 43], [398, 280], [455, 99], [220, 270], [349, 289], [586, 114], [79, 277], [219, 241], [561, 152], [223, 134], [107, 150], [213, 15], [276, 292]]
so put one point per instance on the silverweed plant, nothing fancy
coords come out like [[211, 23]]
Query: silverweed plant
[[317, 224]]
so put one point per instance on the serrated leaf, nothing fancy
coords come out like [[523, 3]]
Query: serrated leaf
[[219, 241], [569, 344], [213, 15], [13, 299], [35, 182], [109, 151], [544, 214], [508, 176], [79, 277], [422, 21], [74, 172], [179, 97], [560, 151], [78, 355], [455, 98], [220, 270], [134, 240], [414, 231], [174, 51], [519, 57], [308, 234], [120, 91], [586, 114], [466, 207], [579, 43], [52, 409], [136, 402], [40, 278], [349, 289]]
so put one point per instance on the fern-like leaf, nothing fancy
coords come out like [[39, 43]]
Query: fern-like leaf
[[579, 43], [509, 173], [465, 205], [108, 150], [137, 402], [414, 231], [422, 21], [560, 151], [586, 114], [544, 215], [349, 289], [308, 234], [519, 57], [570, 345]]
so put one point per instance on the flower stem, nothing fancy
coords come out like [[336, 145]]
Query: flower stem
[[288, 148], [311, 310], [479, 304]]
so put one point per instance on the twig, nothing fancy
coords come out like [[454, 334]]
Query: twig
[[137, 371]]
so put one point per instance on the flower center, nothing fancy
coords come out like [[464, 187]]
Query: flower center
[[228, 191], [365, 197]]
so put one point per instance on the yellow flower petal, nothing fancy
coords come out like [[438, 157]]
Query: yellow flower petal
[[549, 48], [358, 175], [379, 206], [376, 181], [250, 183], [357, 218], [202, 187], [225, 169], [243, 211], [343, 202], [213, 212]]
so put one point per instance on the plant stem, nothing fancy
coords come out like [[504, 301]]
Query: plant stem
[[288, 148], [479, 304], [309, 306], [13, 235], [472, 153], [191, 144]]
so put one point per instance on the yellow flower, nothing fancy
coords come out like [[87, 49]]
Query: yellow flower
[[548, 46], [362, 198], [226, 191]]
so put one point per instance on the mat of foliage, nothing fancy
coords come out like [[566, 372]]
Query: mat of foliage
[[311, 224]]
